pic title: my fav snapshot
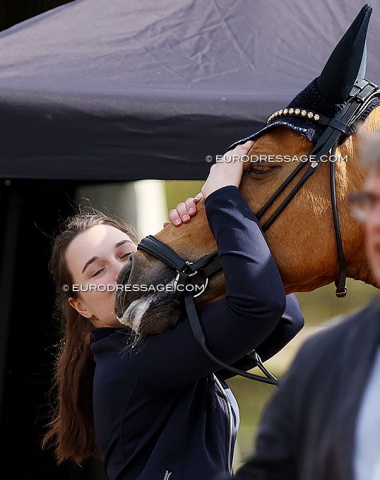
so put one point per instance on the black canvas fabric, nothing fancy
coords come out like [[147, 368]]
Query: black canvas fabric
[[109, 90]]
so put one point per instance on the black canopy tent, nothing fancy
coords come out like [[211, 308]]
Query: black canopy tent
[[108, 90], [115, 90]]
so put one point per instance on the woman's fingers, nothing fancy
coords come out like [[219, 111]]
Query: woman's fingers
[[184, 211]]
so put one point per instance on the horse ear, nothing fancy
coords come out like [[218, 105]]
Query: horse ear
[[363, 64], [347, 63]]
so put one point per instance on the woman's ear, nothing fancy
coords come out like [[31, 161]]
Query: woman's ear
[[79, 307]]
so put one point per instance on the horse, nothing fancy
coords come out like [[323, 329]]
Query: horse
[[314, 238]]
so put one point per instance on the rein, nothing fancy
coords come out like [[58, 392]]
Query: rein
[[186, 271], [361, 96]]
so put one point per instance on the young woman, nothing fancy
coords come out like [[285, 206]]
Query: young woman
[[160, 409]]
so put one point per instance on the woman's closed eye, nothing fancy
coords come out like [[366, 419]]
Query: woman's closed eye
[[126, 256], [122, 256], [98, 272]]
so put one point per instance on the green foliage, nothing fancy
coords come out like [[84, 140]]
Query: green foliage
[[178, 191], [322, 304], [252, 397]]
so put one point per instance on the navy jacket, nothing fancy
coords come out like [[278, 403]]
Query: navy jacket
[[308, 428], [160, 413]]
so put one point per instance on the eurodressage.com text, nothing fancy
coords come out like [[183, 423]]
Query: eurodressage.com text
[[170, 287], [280, 158]]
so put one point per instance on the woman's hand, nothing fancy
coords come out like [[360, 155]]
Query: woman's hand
[[184, 211], [227, 171]]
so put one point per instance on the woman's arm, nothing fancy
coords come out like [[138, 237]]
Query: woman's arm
[[287, 328], [292, 320], [254, 300]]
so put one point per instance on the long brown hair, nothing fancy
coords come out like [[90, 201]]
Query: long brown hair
[[71, 430]]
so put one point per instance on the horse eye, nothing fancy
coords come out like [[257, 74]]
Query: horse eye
[[258, 169]]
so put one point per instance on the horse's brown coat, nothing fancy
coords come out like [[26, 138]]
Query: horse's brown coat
[[302, 239]]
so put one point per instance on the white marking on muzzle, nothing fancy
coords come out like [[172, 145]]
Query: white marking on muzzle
[[134, 313]]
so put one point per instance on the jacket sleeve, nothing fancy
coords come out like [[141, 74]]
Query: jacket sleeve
[[287, 328], [250, 311]]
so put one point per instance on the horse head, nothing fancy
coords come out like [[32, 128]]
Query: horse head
[[304, 236]]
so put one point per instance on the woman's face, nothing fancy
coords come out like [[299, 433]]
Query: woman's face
[[94, 259]]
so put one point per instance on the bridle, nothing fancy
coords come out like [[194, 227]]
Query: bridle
[[338, 127], [362, 94]]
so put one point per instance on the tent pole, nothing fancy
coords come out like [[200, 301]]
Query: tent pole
[[11, 207]]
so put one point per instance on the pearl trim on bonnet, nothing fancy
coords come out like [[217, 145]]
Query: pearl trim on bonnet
[[298, 112]]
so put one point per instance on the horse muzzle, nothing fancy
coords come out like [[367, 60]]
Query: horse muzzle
[[144, 300]]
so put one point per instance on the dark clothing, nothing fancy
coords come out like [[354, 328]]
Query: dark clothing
[[308, 428], [159, 412]]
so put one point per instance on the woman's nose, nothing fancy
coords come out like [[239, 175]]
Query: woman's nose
[[116, 267]]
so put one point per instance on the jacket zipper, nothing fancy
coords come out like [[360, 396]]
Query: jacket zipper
[[230, 422]]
